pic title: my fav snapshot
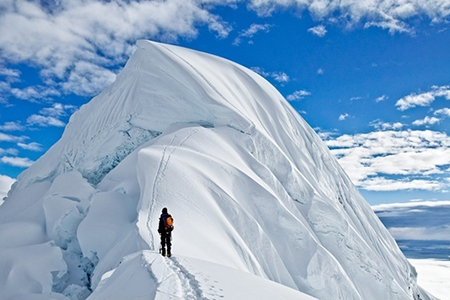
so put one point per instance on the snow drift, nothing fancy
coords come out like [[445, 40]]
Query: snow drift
[[261, 207]]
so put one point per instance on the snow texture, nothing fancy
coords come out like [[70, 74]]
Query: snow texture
[[434, 276], [262, 209]]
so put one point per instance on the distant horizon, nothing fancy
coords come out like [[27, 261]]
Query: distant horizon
[[372, 80]]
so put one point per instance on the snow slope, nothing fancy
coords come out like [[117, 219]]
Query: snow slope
[[253, 190]]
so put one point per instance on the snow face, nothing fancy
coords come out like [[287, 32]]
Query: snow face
[[5, 186], [253, 191]]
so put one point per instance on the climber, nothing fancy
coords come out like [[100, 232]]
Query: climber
[[165, 230]]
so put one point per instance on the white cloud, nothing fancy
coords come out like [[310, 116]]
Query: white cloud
[[12, 126], [250, 32], [21, 162], [75, 44], [10, 151], [57, 110], [407, 205], [298, 95], [326, 135], [33, 93], [443, 111], [414, 100], [423, 99], [44, 121], [420, 233], [382, 184], [390, 15], [411, 156], [426, 121], [11, 138], [356, 98], [31, 146], [343, 117], [378, 124], [280, 77], [9, 73], [5, 87], [50, 116], [88, 79], [424, 220], [57, 37], [5, 185], [318, 30], [381, 98]]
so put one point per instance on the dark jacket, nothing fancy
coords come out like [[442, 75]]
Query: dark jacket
[[162, 228]]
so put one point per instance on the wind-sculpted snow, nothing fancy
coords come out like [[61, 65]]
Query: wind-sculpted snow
[[254, 192]]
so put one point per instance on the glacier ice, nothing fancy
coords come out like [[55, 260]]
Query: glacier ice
[[255, 194]]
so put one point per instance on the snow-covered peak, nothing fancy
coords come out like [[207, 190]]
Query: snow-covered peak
[[249, 183], [160, 86]]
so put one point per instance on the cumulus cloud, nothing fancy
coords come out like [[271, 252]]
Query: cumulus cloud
[[389, 15], [21, 162], [380, 125], [373, 159], [78, 45], [443, 112], [280, 77], [250, 32], [426, 121], [319, 30], [298, 95], [59, 36], [423, 99]]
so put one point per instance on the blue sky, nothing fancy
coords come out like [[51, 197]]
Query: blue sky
[[371, 77]]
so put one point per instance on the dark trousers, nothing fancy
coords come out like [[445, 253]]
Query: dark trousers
[[166, 238]]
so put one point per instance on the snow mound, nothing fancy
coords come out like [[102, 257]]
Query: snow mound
[[147, 275], [254, 192]]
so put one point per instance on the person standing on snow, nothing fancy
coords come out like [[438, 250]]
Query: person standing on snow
[[165, 230]]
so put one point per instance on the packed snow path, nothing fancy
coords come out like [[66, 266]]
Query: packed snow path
[[148, 275], [190, 286], [161, 171]]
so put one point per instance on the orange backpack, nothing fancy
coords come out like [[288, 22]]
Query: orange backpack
[[169, 222]]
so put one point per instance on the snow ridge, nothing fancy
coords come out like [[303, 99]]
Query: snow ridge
[[257, 198]]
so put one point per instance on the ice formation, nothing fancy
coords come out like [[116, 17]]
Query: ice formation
[[261, 207]]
